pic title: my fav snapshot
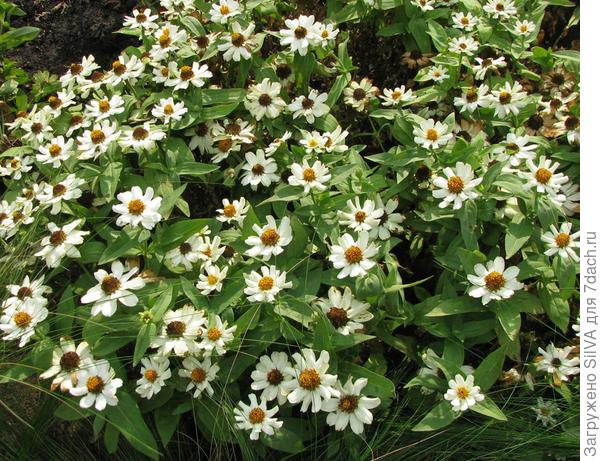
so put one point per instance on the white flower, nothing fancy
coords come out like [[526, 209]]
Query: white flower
[[155, 371], [233, 211], [438, 73], [396, 96], [97, 385], [21, 323], [259, 169], [326, 33], [16, 166], [105, 108], [456, 188], [66, 361], [572, 196], [256, 417], [61, 243], [389, 221], [545, 411], [126, 68], [359, 95], [346, 313], [516, 149], [238, 44], [237, 130], [312, 141], [179, 332], [472, 98], [353, 257], [425, 5], [137, 208], [186, 254], [200, 375], [201, 137], [310, 384], [432, 368], [463, 45], [493, 282], [360, 217], [142, 138], [92, 143], [556, 361], [78, 72], [464, 21], [265, 286], [351, 407], [310, 106], [212, 280], [65, 190], [263, 100], [544, 179], [186, 75], [56, 152], [487, 64], [216, 335], [524, 28], [300, 34], [222, 11], [507, 99], [141, 20], [223, 147], [270, 238], [168, 110], [210, 250], [462, 394], [309, 177], [269, 376], [334, 140], [431, 134], [562, 242], [113, 288], [27, 294], [569, 124], [500, 9]]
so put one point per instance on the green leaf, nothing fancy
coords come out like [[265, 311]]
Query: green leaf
[[142, 342], [489, 369], [168, 201], [468, 221], [284, 440], [69, 410], [171, 236], [378, 385], [517, 234], [438, 35], [65, 312], [418, 29], [556, 307], [454, 306], [195, 169], [121, 246], [15, 37], [192, 292], [166, 423], [509, 316], [487, 407], [440, 416]]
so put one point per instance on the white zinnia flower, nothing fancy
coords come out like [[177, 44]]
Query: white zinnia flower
[[200, 374], [346, 313], [463, 45], [269, 376], [168, 110], [180, 329], [237, 45], [562, 242], [97, 385], [396, 96], [61, 243], [270, 238], [425, 5], [556, 361], [212, 280], [186, 254], [493, 282], [216, 335], [431, 134], [309, 177], [113, 288], [508, 99], [259, 169], [265, 286], [544, 179], [464, 21], [141, 138], [155, 371], [389, 221], [67, 359], [310, 106], [233, 211], [56, 152], [300, 34], [353, 257], [523, 28], [482, 66], [126, 68], [195, 75], [500, 9], [360, 217], [28, 293], [438, 73], [95, 142], [63, 191], [462, 394], [222, 11], [256, 417], [263, 100], [21, 324], [141, 19], [137, 208], [105, 108], [456, 188], [473, 98], [516, 149], [359, 95], [351, 407], [545, 411]]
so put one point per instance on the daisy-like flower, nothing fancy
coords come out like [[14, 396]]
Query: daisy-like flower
[[523, 28], [359, 95], [141, 138], [438, 73], [360, 217], [310, 384], [256, 417], [473, 98], [544, 179], [78, 72], [113, 288], [563, 242], [310, 106], [500, 9], [508, 100], [483, 66], [572, 196], [270, 238], [212, 280], [97, 385], [56, 152], [21, 324], [216, 335], [351, 407], [179, 332], [155, 371], [265, 286], [463, 45], [300, 34], [259, 169], [277, 143], [516, 149], [210, 250], [556, 362], [77, 121], [431, 134], [92, 143], [125, 69], [223, 147], [269, 376], [233, 211], [105, 108], [222, 11], [432, 368], [28, 293], [569, 124], [237, 45], [237, 130], [186, 254], [346, 313], [200, 137], [464, 21], [309, 176], [141, 20], [137, 208], [63, 191], [545, 411], [396, 96], [312, 141], [326, 33], [335, 140], [425, 5], [263, 100], [169, 111], [462, 394], [67, 359], [15, 166], [456, 188], [353, 256], [200, 374], [389, 221], [494, 282], [195, 75], [61, 243]]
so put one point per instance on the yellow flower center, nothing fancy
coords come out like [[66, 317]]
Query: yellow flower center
[[269, 237], [543, 175], [562, 240], [360, 216], [353, 254], [22, 319], [95, 384], [309, 379], [198, 375], [237, 39], [229, 211], [97, 136], [224, 10], [150, 375], [455, 184], [168, 109], [256, 416], [494, 281], [309, 175], [186, 73], [462, 392], [265, 283], [505, 97], [139, 133], [432, 134], [212, 279], [136, 207], [54, 150], [348, 403], [214, 334], [104, 106]]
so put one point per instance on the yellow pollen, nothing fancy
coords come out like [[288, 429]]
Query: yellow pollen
[[168, 109], [494, 281], [456, 184], [432, 134], [348, 403], [256, 416], [562, 240], [396, 95], [150, 375], [214, 334], [309, 175], [54, 150], [198, 375], [309, 379], [95, 384], [360, 216], [543, 175], [212, 279], [97, 136], [229, 211], [269, 237], [224, 10], [353, 254], [136, 207], [462, 392], [22, 319], [104, 106], [265, 283], [186, 73]]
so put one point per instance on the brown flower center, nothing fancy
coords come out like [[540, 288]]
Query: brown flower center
[[139, 133], [95, 384], [202, 129], [359, 94], [307, 103], [309, 379], [176, 328], [353, 254], [571, 122], [269, 237], [59, 190], [136, 207], [76, 69], [237, 39], [265, 100], [141, 18], [119, 68], [58, 238], [185, 248], [348, 403], [54, 102], [224, 145], [198, 375], [150, 375], [360, 216], [69, 361], [432, 134], [274, 377], [110, 284], [97, 136], [104, 106], [36, 128], [258, 169], [338, 317], [471, 95], [505, 97], [283, 71], [22, 319], [300, 32], [24, 292], [256, 416], [186, 73], [543, 175], [309, 175], [494, 281], [562, 240], [456, 184], [266, 283]]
